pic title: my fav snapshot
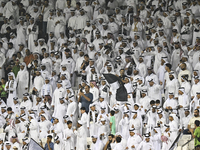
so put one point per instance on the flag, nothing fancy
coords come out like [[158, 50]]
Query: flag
[[33, 145], [116, 83]]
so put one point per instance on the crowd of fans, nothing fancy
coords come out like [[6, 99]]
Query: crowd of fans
[[53, 57]]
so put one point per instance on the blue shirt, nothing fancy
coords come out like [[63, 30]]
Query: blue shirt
[[51, 146], [86, 103]]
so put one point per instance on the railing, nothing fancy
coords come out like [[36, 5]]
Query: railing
[[175, 141], [187, 142]]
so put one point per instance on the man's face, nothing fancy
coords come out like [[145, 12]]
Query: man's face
[[46, 2], [82, 111], [198, 96], [22, 67], [102, 111], [94, 140], [171, 118], [151, 83], [110, 138], [25, 98], [69, 125], [87, 89], [9, 112], [187, 113], [196, 81], [147, 139], [92, 108], [122, 72], [159, 49], [105, 27], [171, 96], [10, 77], [103, 82], [131, 133], [59, 85], [21, 22], [109, 68], [196, 114], [46, 55], [143, 95], [56, 121], [183, 67], [180, 92], [8, 147], [160, 115], [27, 52], [48, 139]]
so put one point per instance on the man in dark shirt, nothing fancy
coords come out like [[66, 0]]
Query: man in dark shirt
[[86, 98], [49, 145], [110, 139], [122, 75]]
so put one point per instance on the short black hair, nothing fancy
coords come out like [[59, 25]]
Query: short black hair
[[157, 101], [197, 110], [197, 122], [3, 78], [168, 65], [86, 55], [68, 122], [112, 112], [78, 3], [118, 139], [50, 136], [111, 135], [9, 109], [44, 49], [14, 55], [35, 61], [152, 102], [83, 108], [19, 53]]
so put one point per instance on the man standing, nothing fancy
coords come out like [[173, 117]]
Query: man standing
[[81, 137], [49, 145], [85, 99], [58, 93], [22, 80]]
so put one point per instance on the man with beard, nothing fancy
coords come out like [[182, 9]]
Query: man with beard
[[184, 71], [171, 85], [191, 125], [108, 144], [96, 143]]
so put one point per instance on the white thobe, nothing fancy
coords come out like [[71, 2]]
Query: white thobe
[[154, 92], [81, 138], [72, 111], [27, 104], [33, 35], [21, 34], [81, 22], [133, 140], [137, 124], [23, 81], [69, 143], [2, 61], [58, 93], [145, 146], [12, 85], [34, 129], [44, 128], [59, 27]]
